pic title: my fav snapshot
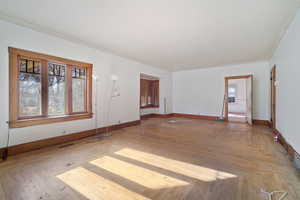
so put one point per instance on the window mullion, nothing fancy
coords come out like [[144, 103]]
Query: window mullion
[[44, 72], [14, 87], [85, 90], [68, 97], [88, 90]]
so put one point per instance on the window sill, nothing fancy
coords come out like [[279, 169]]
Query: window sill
[[48, 120], [149, 106]]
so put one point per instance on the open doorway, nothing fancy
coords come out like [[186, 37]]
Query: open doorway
[[273, 97], [238, 101]]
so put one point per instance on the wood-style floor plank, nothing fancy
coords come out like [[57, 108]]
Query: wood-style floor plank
[[162, 159]]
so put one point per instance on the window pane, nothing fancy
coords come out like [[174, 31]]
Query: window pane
[[232, 92], [78, 89], [143, 92], [30, 103], [155, 99], [56, 89]]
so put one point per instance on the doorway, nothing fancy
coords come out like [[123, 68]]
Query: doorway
[[238, 99], [273, 97]]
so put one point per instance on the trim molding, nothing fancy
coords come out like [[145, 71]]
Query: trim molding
[[21, 148], [120, 126], [289, 149]]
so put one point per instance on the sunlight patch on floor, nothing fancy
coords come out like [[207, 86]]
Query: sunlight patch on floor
[[186, 169], [137, 174], [95, 187]]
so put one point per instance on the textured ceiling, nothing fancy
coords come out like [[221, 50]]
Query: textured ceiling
[[170, 34]]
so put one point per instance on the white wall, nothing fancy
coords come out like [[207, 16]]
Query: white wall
[[201, 91], [287, 60], [123, 108]]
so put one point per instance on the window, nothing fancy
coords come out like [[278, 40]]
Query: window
[[79, 89], [231, 94], [149, 93], [56, 89], [30, 87], [47, 89]]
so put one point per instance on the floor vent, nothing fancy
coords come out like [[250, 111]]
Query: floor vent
[[103, 135]]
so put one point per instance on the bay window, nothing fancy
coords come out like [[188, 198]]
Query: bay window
[[149, 93]]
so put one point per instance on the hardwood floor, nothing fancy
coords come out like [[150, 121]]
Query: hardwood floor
[[173, 158]]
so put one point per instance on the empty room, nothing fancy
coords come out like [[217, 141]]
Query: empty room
[[139, 99]]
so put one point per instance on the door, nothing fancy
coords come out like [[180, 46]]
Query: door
[[249, 99], [273, 97]]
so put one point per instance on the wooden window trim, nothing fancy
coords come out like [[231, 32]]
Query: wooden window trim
[[14, 120]]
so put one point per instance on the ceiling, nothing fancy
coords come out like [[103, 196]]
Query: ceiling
[[170, 34]]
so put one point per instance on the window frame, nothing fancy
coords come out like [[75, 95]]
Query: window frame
[[15, 121]]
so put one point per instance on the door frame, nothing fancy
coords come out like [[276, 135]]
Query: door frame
[[273, 97], [226, 91]]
